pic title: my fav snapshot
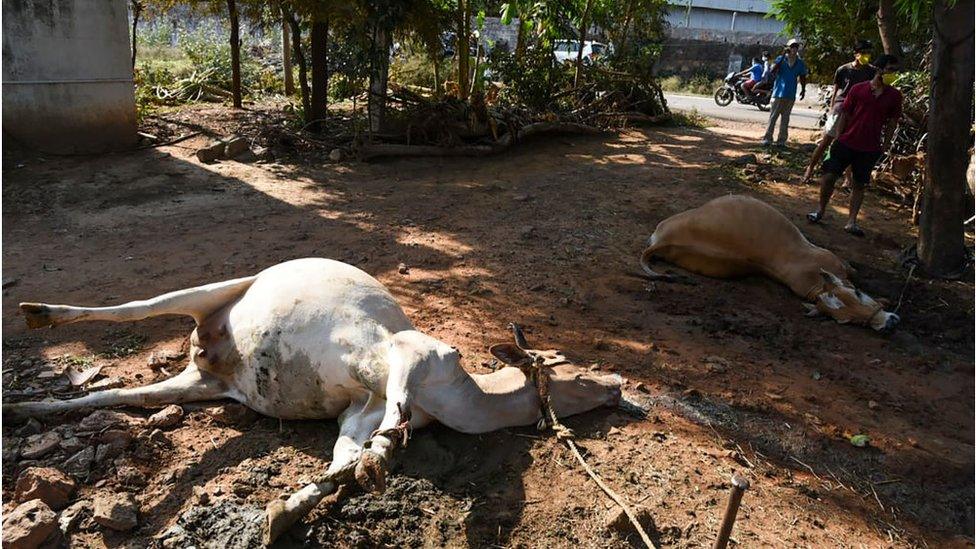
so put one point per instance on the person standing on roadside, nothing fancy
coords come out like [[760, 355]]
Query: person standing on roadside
[[868, 108], [787, 69], [847, 75]]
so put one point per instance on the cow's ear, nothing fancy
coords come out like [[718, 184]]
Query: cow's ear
[[509, 353], [812, 309]]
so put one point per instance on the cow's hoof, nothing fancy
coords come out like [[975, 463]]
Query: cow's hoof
[[279, 520], [371, 472]]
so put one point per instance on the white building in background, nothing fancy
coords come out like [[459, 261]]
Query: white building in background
[[718, 36], [724, 20]]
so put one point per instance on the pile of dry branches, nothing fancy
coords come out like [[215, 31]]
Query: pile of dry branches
[[421, 124]]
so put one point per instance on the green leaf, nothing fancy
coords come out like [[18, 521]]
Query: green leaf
[[860, 440], [481, 19], [507, 13]]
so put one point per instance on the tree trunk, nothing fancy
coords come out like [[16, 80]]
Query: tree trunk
[[463, 45], [888, 28], [296, 41], [320, 73], [520, 40], [136, 11], [286, 55], [626, 28], [437, 76], [235, 53], [584, 22], [941, 244], [378, 78]]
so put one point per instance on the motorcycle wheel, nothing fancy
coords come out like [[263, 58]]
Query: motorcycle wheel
[[764, 107], [723, 96]]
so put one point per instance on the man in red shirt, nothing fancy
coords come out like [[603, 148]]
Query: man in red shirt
[[866, 109]]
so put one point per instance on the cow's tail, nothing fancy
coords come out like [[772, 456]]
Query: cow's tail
[[650, 274], [198, 302]]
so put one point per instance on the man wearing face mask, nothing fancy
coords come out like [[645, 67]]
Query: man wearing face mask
[[868, 107], [847, 75], [787, 69]]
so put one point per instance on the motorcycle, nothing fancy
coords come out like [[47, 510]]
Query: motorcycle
[[732, 89]]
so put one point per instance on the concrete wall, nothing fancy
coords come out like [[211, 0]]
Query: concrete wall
[[715, 37], [67, 80]]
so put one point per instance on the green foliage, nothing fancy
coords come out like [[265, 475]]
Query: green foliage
[[690, 119], [859, 440], [530, 81], [699, 84], [417, 69], [830, 28]]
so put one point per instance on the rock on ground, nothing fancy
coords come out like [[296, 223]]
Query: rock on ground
[[46, 484], [167, 417], [745, 160], [234, 146], [116, 511], [40, 445], [79, 465], [225, 525], [101, 420], [70, 517], [27, 526]]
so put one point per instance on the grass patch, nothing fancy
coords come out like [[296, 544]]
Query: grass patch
[[689, 119], [123, 343], [696, 85]]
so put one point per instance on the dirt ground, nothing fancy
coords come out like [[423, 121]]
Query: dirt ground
[[548, 236]]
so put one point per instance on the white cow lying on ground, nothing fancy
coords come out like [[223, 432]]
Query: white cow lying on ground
[[316, 338], [738, 235]]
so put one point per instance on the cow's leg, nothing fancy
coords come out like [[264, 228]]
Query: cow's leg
[[356, 424], [197, 302], [403, 382], [188, 386]]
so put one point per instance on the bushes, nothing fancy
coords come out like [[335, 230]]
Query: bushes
[[199, 69], [698, 84], [531, 81], [417, 69]]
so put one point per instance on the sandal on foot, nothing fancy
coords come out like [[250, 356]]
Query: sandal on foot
[[854, 230], [814, 217]]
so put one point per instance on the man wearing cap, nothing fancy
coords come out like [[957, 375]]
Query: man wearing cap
[[857, 71], [867, 109], [788, 68]]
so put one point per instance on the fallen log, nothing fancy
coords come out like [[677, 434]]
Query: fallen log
[[376, 150]]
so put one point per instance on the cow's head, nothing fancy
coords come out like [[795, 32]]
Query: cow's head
[[844, 303], [572, 390]]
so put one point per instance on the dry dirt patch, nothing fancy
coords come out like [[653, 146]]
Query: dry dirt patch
[[548, 236]]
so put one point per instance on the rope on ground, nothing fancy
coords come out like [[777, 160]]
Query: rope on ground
[[904, 288], [566, 435], [535, 369]]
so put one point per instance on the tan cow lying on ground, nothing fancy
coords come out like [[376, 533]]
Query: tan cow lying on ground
[[738, 235], [316, 338]]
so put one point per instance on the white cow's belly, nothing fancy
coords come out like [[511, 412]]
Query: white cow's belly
[[307, 336]]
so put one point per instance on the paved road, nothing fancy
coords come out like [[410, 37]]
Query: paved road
[[804, 116]]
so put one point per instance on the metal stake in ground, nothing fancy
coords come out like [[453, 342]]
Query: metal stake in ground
[[739, 486]]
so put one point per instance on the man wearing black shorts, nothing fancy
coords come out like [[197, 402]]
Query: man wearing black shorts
[[868, 107]]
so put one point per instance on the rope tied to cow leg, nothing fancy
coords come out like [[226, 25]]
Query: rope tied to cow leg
[[538, 373]]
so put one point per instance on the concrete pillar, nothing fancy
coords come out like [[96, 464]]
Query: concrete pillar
[[67, 79]]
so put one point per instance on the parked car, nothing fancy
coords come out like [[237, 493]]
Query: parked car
[[566, 51]]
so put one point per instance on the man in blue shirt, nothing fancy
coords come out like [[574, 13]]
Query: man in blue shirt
[[755, 73], [787, 69]]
